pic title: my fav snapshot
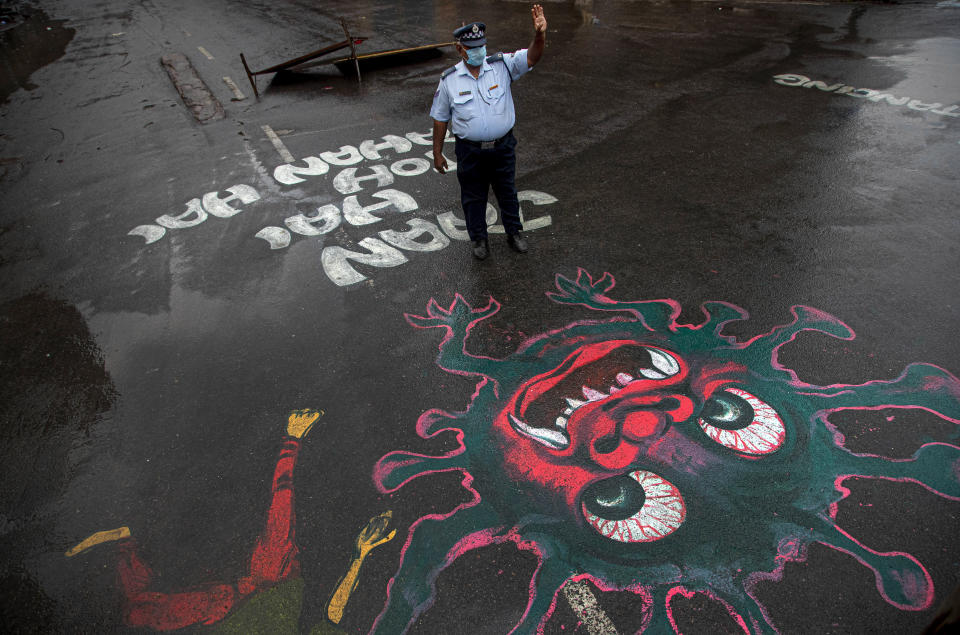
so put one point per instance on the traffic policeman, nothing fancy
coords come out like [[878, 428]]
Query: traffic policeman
[[474, 99]]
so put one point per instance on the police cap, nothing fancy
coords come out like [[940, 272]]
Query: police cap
[[471, 35]]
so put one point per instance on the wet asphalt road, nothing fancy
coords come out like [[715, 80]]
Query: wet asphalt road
[[146, 384]]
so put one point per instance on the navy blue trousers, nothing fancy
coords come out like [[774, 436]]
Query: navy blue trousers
[[478, 170]]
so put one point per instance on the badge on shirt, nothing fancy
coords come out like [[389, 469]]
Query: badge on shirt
[[494, 86], [464, 92]]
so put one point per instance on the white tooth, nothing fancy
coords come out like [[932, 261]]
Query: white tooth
[[623, 379], [553, 439], [561, 423], [575, 403], [663, 362], [568, 411], [613, 389], [593, 395], [649, 373]]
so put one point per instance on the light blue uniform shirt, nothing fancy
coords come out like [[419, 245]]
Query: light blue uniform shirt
[[480, 109]]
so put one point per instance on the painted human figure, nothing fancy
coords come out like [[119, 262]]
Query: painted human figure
[[474, 98], [275, 558]]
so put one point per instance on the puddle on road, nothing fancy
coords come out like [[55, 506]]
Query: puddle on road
[[29, 40]]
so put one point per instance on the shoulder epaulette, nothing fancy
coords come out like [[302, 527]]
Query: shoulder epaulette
[[498, 57], [447, 72]]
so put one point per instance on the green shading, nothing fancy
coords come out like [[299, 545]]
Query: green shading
[[275, 611], [745, 515]]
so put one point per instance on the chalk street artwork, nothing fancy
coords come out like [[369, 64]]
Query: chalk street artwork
[[646, 455], [273, 574], [383, 249], [636, 453]]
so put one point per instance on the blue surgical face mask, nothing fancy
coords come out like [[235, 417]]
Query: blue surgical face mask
[[476, 55]]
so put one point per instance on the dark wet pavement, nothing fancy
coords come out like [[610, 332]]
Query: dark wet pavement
[[148, 384]]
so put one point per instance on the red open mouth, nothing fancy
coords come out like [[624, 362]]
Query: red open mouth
[[615, 385]]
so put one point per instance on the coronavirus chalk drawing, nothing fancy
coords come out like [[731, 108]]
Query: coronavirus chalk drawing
[[661, 458]]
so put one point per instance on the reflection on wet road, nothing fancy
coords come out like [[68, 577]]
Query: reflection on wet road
[[174, 294]]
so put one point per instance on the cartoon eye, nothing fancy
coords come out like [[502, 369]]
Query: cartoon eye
[[739, 421], [635, 507]]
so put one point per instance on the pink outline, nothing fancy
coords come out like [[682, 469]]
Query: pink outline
[[798, 543], [928, 600], [467, 484], [682, 590], [848, 389], [436, 312], [744, 315], [602, 298]]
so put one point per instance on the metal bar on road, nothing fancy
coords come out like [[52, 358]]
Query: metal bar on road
[[349, 42], [253, 82], [353, 49], [309, 56], [375, 54]]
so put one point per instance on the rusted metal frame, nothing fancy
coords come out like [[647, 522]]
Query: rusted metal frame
[[375, 54], [349, 42], [353, 49], [305, 61], [368, 56], [309, 56], [250, 77]]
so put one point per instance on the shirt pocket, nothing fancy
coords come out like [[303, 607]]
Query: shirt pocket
[[464, 107], [497, 98]]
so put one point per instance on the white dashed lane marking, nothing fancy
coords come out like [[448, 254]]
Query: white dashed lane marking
[[275, 140], [205, 52], [233, 87]]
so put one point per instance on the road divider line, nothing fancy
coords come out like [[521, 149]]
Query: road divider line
[[236, 90], [275, 140], [584, 604], [205, 52]]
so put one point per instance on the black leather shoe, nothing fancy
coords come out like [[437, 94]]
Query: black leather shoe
[[480, 249], [517, 242]]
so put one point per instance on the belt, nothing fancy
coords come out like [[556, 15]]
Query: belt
[[486, 145]]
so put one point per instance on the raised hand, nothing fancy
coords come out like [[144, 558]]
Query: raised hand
[[375, 534], [372, 536], [300, 422], [539, 21]]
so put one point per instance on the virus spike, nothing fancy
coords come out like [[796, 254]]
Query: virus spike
[[432, 544], [458, 320], [764, 347], [434, 310], [936, 466], [719, 314], [743, 610], [901, 579], [604, 284], [460, 316], [658, 617], [544, 584], [919, 386], [432, 422], [656, 315], [396, 468], [749, 615]]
